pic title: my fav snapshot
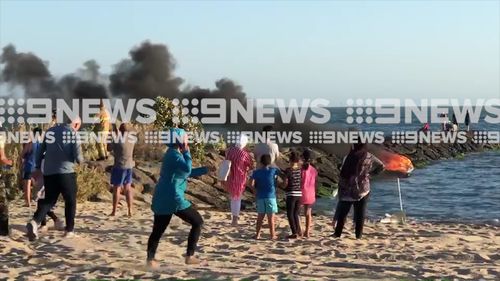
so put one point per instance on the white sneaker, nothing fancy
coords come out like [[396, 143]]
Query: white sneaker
[[69, 234], [32, 230], [59, 225]]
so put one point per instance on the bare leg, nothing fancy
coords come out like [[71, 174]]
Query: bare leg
[[271, 220], [234, 222], [129, 194], [299, 227], [308, 215], [116, 198], [27, 192], [260, 220]]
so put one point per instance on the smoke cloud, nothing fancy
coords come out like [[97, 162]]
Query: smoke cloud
[[147, 74], [22, 68]]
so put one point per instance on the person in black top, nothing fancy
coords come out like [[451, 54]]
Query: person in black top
[[293, 193]]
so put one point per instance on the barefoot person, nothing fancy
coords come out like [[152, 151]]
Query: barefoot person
[[27, 158], [308, 184], [354, 186], [264, 181], [59, 176], [293, 192], [241, 163], [169, 199], [4, 204], [121, 174]]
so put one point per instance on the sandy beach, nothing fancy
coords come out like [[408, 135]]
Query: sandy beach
[[114, 248]]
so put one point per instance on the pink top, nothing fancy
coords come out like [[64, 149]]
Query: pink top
[[309, 176], [241, 162]]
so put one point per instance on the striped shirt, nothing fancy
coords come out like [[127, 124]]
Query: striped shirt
[[294, 180], [241, 162]]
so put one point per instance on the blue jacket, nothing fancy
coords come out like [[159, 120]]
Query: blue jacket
[[60, 157], [168, 197]]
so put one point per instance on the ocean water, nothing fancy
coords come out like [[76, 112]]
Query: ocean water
[[465, 190], [339, 119]]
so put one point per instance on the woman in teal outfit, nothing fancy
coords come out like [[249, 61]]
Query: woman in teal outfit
[[169, 199]]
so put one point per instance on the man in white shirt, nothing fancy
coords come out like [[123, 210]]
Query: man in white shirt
[[268, 147]]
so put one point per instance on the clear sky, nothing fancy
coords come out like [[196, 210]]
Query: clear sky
[[291, 49]]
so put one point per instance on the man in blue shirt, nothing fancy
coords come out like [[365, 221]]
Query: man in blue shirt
[[60, 153]]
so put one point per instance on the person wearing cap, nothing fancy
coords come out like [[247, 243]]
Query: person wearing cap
[[169, 197], [241, 164], [4, 204], [59, 174]]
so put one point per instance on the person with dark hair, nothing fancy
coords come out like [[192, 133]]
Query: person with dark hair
[[293, 192], [59, 157], [169, 198], [121, 174], [309, 175], [27, 158], [264, 181], [5, 163], [354, 186], [270, 148]]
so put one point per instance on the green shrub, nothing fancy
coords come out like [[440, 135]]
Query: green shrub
[[91, 182], [165, 120]]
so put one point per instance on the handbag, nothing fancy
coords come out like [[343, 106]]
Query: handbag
[[224, 170]]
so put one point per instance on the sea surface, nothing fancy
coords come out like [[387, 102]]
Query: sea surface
[[466, 190], [339, 119]]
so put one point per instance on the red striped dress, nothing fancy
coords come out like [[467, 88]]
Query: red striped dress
[[241, 163]]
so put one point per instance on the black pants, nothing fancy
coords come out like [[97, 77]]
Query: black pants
[[189, 215], [292, 212], [55, 185], [342, 211], [51, 215]]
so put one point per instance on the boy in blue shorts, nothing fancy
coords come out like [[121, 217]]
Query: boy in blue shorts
[[264, 181], [121, 174]]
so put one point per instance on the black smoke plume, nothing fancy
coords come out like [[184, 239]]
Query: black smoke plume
[[22, 68], [148, 74]]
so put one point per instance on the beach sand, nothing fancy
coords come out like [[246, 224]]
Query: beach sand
[[114, 248]]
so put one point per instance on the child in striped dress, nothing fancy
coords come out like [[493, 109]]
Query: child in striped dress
[[293, 193]]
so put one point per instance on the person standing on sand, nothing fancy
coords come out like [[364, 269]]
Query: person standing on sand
[[293, 192], [103, 128], [59, 177], [354, 186], [309, 176], [264, 181], [169, 198], [270, 148], [241, 163], [4, 204], [27, 158], [121, 174]]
